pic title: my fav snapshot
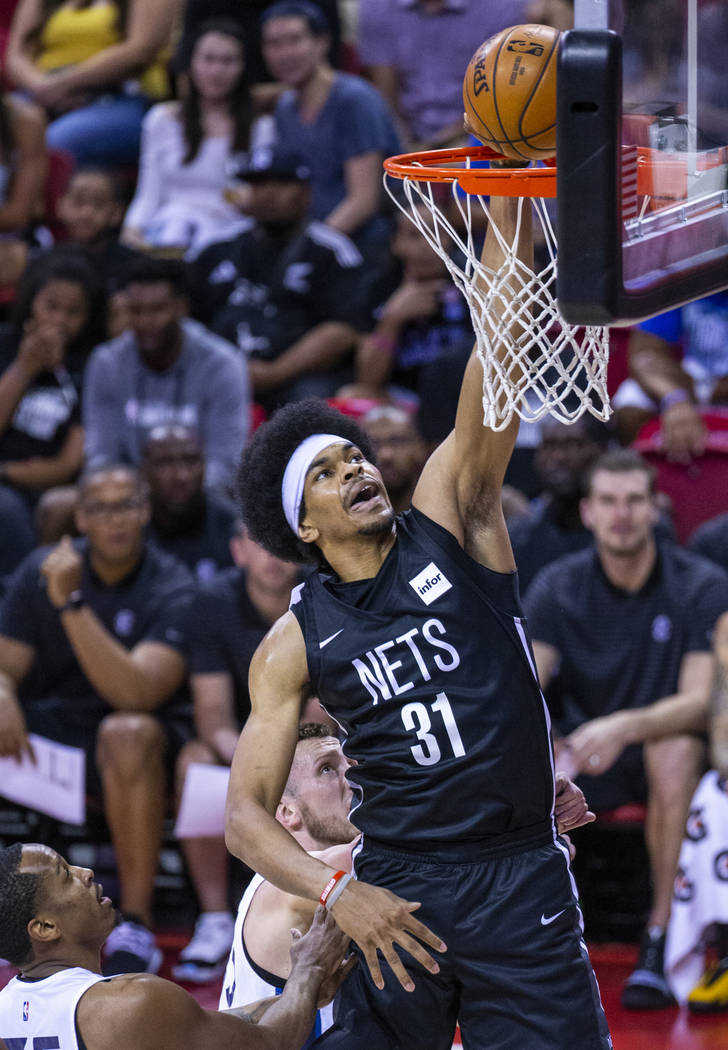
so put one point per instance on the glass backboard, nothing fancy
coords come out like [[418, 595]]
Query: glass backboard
[[642, 157]]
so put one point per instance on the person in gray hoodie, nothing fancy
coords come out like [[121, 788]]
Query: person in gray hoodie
[[166, 368]]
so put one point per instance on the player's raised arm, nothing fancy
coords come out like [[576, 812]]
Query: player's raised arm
[[461, 484]]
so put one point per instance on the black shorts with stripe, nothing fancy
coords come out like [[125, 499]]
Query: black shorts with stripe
[[516, 975]]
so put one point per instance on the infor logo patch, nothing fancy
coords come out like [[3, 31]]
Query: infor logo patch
[[430, 584]]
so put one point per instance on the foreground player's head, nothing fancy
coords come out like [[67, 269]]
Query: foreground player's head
[[307, 483], [316, 800], [49, 908]]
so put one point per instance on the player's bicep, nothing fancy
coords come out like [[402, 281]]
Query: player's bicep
[[278, 673]]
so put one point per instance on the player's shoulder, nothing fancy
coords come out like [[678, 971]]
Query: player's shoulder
[[282, 651], [127, 1004]]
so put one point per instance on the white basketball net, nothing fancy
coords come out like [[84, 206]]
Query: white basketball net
[[534, 363]]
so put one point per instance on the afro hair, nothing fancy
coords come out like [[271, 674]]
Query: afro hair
[[263, 464], [18, 897]]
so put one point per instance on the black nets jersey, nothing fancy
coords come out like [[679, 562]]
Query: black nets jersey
[[428, 669]]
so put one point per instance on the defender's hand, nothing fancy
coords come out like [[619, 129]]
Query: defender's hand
[[323, 952], [62, 572], [571, 810], [377, 920]]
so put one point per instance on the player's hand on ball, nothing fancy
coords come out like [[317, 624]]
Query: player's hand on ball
[[378, 920], [572, 810]]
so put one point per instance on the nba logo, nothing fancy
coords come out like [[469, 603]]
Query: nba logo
[[26, 1010]]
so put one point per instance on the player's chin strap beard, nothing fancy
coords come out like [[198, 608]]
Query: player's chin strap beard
[[294, 476]]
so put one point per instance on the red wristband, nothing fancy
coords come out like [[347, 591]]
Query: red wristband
[[329, 886]]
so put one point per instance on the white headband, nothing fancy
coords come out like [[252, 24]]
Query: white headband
[[294, 477]]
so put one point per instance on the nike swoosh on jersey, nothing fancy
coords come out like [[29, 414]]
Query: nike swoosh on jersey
[[551, 918], [330, 638]]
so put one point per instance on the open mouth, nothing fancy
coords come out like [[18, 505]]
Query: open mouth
[[365, 493]]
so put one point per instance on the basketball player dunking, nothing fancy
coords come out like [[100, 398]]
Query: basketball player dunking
[[412, 636]]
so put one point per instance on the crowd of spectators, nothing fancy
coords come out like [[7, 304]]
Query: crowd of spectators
[[221, 245]]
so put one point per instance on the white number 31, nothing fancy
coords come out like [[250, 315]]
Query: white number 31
[[416, 716]]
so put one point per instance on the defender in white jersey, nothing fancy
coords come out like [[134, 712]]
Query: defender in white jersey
[[314, 808], [54, 920]]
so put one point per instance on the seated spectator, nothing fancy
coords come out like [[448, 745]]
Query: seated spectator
[[286, 290], [56, 321], [711, 540], [165, 369], [194, 525], [418, 320], [187, 146], [53, 924], [552, 525], [678, 367], [23, 171], [338, 122], [401, 46], [231, 615], [617, 628], [91, 655], [94, 68], [400, 451], [247, 16], [90, 212], [696, 954]]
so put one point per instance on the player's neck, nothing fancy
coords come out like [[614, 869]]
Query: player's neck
[[629, 570], [362, 557], [83, 958]]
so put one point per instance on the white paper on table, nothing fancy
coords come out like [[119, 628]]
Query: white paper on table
[[202, 809], [54, 784]]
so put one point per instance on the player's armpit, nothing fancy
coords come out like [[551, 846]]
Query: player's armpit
[[377, 920]]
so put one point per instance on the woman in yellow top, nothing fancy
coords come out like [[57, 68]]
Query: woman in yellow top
[[95, 67]]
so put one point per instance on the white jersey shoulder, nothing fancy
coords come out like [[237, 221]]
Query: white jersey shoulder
[[243, 983], [35, 1013]]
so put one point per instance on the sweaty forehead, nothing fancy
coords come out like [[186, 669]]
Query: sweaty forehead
[[319, 748], [38, 860]]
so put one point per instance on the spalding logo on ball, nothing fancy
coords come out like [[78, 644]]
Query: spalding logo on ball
[[509, 92]]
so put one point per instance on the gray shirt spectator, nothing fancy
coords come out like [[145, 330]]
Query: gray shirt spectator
[[402, 42], [165, 369]]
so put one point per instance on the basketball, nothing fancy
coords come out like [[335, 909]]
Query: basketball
[[509, 92]]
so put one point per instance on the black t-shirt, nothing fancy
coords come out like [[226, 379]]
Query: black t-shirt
[[619, 649], [148, 605], [711, 540], [262, 291], [204, 545], [428, 668], [538, 540], [45, 414], [223, 631]]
